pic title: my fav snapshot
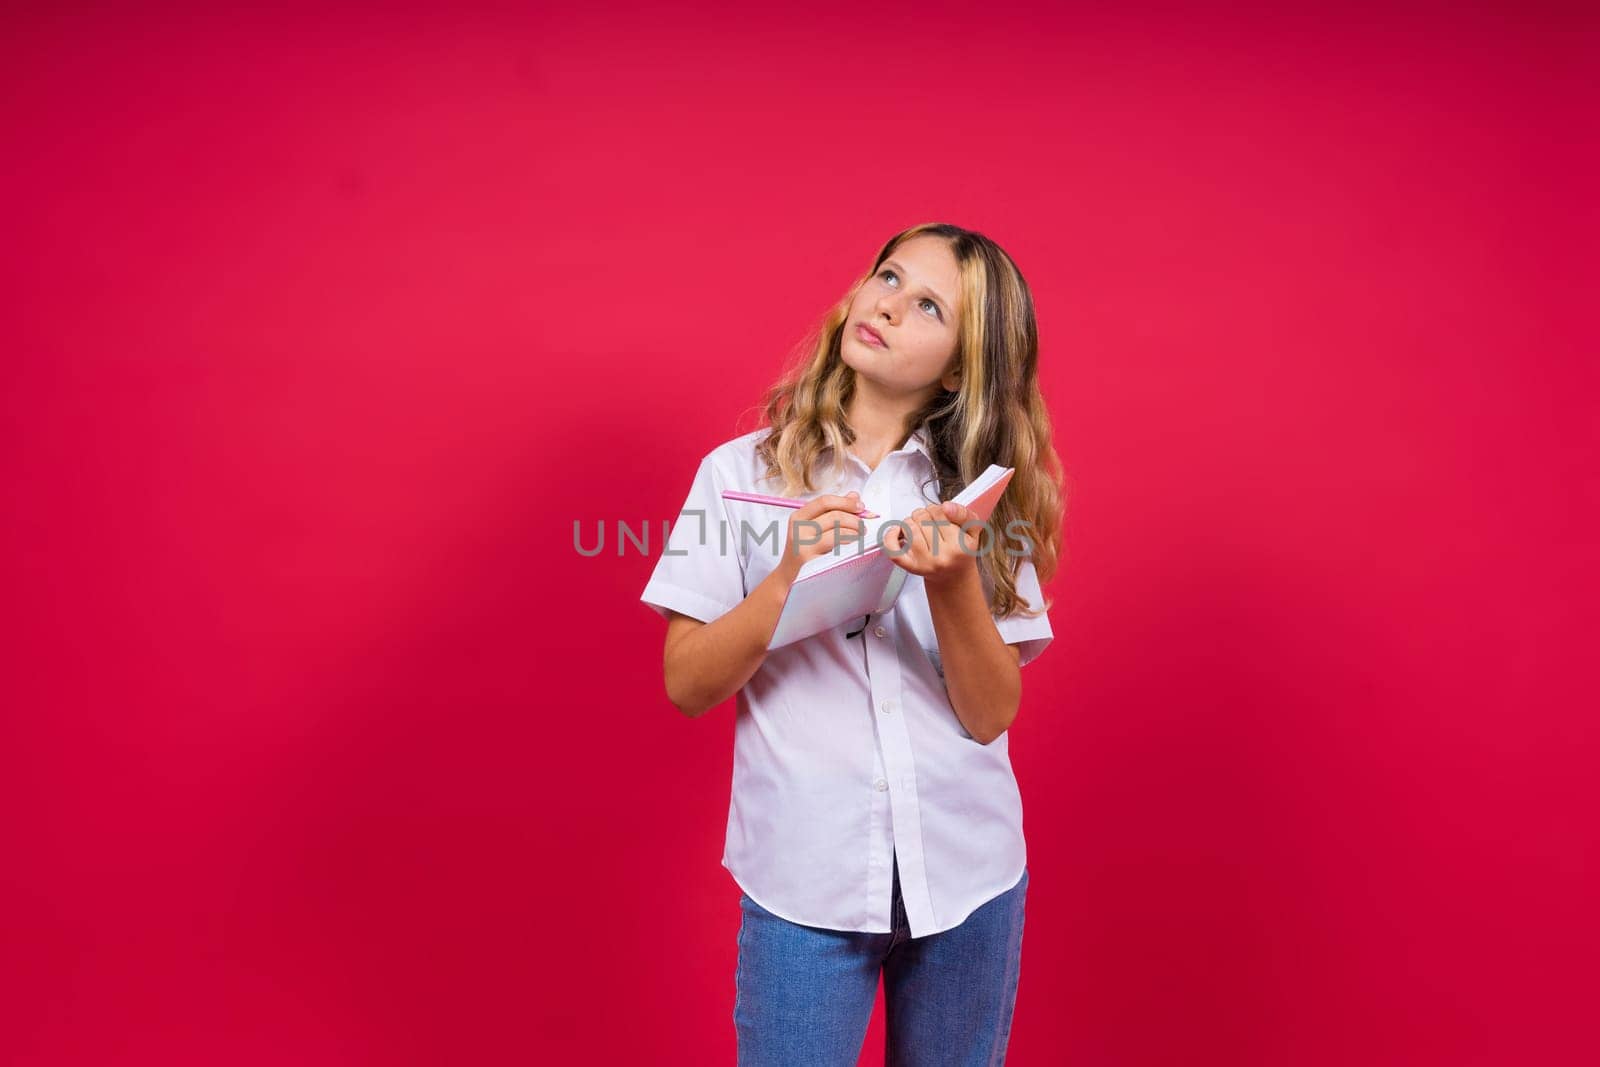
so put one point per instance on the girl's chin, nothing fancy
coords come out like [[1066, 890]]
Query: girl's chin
[[857, 352]]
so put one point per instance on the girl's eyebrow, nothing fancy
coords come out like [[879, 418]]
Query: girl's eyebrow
[[902, 270]]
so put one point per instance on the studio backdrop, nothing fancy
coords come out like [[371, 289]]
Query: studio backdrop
[[328, 332]]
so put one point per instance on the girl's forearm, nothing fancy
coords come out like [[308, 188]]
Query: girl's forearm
[[713, 661], [981, 671]]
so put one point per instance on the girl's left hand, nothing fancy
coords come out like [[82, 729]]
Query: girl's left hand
[[939, 553]]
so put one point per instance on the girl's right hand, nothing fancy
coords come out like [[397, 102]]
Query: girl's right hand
[[816, 529]]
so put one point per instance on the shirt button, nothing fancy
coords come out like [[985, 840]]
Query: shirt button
[[879, 631], [887, 706], [880, 785]]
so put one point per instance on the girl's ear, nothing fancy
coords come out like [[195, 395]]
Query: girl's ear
[[951, 380]]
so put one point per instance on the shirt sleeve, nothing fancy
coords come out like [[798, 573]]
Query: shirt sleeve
[[699, 573], [1032, 635]]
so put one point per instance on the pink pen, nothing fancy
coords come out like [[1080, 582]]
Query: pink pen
[[782, 502]]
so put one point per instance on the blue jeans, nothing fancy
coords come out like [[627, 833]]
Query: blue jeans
[[804, 994]]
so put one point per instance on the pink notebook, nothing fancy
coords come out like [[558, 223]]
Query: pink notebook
[[862, 579]]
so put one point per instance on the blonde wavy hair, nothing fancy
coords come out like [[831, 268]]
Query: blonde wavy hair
[[997, 415]]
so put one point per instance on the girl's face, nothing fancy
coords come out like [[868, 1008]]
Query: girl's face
[[912, 302]]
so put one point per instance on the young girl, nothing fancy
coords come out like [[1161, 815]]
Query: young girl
[[875, 824]]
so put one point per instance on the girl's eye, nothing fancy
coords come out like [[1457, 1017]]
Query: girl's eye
[[889, 271]]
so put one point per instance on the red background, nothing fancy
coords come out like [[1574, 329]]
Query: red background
[[322, 744]]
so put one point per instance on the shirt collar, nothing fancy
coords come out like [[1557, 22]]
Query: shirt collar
[[918, 442], [921, 440]]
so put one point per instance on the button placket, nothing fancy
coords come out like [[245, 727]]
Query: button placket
[[903, 817], [904, 822]]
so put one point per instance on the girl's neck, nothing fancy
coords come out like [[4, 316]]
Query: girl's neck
[[879, 430]]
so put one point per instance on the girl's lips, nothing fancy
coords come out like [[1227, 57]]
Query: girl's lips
[[869, 337]]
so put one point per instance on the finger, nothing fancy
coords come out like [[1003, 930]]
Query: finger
[[905, 537], [897, 539], [941, 533], [832, 502], [953, 537], [845, 525], [890, 539], [922, 537]]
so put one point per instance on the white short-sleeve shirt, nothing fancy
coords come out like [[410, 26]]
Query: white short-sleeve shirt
[[848, 756]]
